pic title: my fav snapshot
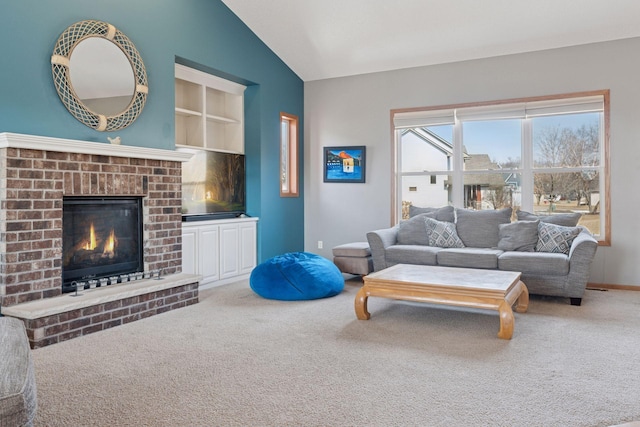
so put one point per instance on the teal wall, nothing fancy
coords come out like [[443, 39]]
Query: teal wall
[[203, 32]]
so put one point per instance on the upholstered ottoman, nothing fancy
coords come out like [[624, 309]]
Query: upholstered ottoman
[[296, 276], [353, 258], [17, 379]]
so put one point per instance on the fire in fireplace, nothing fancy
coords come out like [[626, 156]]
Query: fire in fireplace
[[101, 239]]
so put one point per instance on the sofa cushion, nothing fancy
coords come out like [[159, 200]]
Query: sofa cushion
[[555, 238], [479, 229], [411, 254], [518, 236], [442, 234], [413, 231], [445, 213], [469, 257], [534, 263], [565, 219]]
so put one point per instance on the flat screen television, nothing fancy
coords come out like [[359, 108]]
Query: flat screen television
[[213, 186]]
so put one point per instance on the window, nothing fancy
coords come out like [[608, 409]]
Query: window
[[545, 155], [288, 155]]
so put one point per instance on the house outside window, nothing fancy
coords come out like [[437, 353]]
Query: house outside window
[[546, 155]]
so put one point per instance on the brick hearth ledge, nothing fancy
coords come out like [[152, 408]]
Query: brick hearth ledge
[[68, 316]]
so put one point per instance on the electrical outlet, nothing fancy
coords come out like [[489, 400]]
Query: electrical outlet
[[319, 244]]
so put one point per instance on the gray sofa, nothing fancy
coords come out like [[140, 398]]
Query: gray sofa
[[552, 253]]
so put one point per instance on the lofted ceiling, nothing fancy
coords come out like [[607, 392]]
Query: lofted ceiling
[[320, 39]]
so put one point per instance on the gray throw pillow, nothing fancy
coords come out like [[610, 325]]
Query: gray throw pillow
[[555, 238], [441, 214], [442, 234], [521, 236], [416, 210], [566, 219], [479, 229], [412, 231]]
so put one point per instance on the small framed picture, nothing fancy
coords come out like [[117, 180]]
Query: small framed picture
[[344, 164]]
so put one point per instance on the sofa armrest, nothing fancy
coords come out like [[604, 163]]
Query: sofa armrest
[[583, 250], [583, 246], [379, 241]]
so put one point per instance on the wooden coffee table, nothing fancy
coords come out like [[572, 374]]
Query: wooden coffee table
[[466, 287]]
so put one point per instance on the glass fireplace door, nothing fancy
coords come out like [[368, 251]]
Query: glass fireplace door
[[102, 237]]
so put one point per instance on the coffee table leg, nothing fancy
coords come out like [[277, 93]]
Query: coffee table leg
[[522, 303], [361, 305], [506, 321]]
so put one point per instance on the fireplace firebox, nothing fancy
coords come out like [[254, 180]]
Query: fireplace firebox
[[101, 239]]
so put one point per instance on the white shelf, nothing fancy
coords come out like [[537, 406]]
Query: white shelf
[[187, 113], [221, 119], [209, 111]]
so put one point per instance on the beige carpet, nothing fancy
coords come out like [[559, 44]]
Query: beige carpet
[[236, 359]]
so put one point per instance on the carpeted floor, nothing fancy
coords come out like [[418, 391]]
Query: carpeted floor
[[236, 359]]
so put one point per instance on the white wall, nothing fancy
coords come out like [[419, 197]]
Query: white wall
[[418, 156], [356, 111]]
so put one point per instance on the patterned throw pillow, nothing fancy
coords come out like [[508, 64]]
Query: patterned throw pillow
[[442, 234], [555, 238]]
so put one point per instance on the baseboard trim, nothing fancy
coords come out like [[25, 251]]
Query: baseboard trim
[[208, 284], [606, 286]]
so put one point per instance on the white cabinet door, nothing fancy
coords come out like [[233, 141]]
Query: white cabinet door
[[247, 247], [219, 251], [209, 249], [229, 250], [190, 251]]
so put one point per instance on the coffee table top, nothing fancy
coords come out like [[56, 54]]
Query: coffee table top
[[448, 277], [463, 287]]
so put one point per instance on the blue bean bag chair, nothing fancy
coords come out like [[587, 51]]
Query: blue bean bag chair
[[296, 276]]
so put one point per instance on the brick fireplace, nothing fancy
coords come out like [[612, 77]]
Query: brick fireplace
[[36, 174]]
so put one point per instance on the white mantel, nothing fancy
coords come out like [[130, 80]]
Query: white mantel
[[46, 143]]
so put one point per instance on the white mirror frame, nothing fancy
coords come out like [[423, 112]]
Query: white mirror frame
[[61, 78]]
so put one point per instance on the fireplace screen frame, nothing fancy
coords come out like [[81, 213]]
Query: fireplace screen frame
[[69, 278]]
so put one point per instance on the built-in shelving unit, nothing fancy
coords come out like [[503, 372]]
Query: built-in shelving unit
[[209, 114], [209, 111]]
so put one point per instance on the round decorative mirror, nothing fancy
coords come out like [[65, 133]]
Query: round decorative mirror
[[99, 75]]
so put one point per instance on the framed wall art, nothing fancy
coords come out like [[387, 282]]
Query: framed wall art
[[344, 164]]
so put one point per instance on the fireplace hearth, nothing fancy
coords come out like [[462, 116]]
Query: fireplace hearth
[[101, 239]]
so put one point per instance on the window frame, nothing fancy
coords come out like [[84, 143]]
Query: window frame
[[442, 115], [289, 167]]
